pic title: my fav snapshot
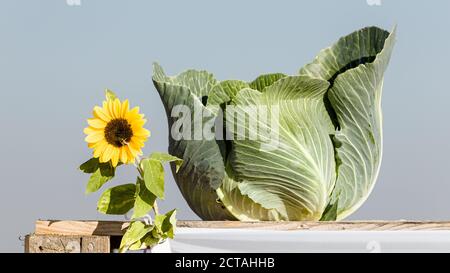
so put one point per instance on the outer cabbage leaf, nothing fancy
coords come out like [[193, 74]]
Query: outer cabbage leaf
[[266, 80], [354, 66], [202, 170]]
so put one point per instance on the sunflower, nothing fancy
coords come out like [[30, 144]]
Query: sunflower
[[116, 133]]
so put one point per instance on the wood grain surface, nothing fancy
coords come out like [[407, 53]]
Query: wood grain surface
[[50, 243], [116, 228]]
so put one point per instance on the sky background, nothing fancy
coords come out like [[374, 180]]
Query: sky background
[[56, 60]]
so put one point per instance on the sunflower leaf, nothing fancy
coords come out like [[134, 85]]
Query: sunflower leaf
[[110, 95], [101, 173], [164, 157], [153, 176], [117, 200], [149, 241], [144, 201], [138, 245], [169, 223], [135, 232], [89, 166], [158, 222]]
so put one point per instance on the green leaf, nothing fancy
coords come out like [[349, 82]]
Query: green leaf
[[158, 222], [242, 206], [138, 245], [149, 241], [356, 79], [169, 223], [164, 225], [144, 201], [157, 234], [135, 232], [163, 158], [330, 213], [292, 176], [100, 174], [225, 91], [90, 166], [117, 200], [266, 80], [110, 95], [153, 176], [199, 177]]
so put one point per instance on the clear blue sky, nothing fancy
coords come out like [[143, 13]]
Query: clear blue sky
[[56, 60]]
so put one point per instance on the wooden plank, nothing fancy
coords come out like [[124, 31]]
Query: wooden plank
[[116, 228], [95, 244], [52, 244], [27, 244], [324, 226], [82, 228]]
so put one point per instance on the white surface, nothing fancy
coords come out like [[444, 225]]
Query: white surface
[[244, 240]]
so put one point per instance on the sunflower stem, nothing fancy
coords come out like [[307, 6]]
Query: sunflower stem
[[137, 164], [155, 208], [148, 219]]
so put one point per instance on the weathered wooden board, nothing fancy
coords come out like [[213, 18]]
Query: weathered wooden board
[[95, 244], [66, 244], [52, 244], [80, 228], [116, 228]]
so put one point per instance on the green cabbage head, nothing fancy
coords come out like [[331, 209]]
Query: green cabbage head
[[327, 153]]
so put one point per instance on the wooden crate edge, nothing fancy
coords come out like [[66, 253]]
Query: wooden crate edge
[[116, 228]]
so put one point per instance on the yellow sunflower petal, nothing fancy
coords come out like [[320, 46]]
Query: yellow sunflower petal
[[96, 123], [138, 123], [136, 142], [142, 133], [133, 114], [130, 153], [109, 106], [107, 110], [95, 144], [125, 108], [95, 137], [136, 146], [105, 107], [106, 155], [123, 155], [90, 130], [140, 141], [115, 157], [100, 113], [100, 148], [117, 108]]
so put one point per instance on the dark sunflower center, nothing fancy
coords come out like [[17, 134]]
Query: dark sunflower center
[[118, 132]]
